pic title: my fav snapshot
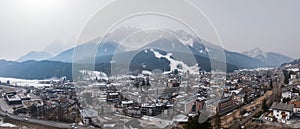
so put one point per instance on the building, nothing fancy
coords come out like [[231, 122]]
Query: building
[[87, 115], [181, 118], [187, 105], [148, 109], [286, 93], [173, 83], [10, 93], [282, 112], [293, 76], [113, 97], [13, 99], [199, 105], [25, 97], [127, 103], [133, 112], [296, 106], [225, 104]]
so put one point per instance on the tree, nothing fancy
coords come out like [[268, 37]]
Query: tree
[[286, 100], [264, 105], [33, 110], [286, 76], [246, 98], [60, 114], [193, 123], [271, 84], [243, 111], [14, 108], [216, 121]]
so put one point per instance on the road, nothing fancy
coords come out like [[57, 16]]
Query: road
[[5, 106], [240, 123]]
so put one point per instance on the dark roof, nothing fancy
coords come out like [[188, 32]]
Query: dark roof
[[282, 106], [134, 124]]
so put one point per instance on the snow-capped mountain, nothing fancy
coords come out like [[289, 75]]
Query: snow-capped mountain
[[164, 50], [256, 52], [294, 62], [179, 43], [269, 58], [35, 55]]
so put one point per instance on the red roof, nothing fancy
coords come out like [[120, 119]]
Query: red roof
[[296, 104]]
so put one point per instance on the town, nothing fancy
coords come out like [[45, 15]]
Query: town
[[246, 98]]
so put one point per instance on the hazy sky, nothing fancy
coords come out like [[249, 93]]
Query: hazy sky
[[272, 25], [54, 25]]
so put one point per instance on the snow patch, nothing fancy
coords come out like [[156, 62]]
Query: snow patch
[[91, 75], [293, 69], [25, 82], [8, 125], [256, 52], [201, 51], [174, 64], [206, 49], [146, 72], [186, 41]]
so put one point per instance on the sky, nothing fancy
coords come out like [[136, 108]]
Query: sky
[[54, 25]]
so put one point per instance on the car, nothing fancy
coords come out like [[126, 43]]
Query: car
[[26, 119], [6, 114], [73, 126]]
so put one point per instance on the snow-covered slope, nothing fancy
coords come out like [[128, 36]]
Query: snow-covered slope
[[175, 64], [256, 52]]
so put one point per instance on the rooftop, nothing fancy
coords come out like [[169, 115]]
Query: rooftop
[[13, 98], [282, 106], [296, 104]]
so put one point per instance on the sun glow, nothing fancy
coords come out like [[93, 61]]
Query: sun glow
[[39, 6]]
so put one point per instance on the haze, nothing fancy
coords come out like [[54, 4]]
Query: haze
[[53, 25]]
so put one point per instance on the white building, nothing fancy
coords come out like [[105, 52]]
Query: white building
[[87, 115], [293, 76], [282, 112], [286, 93]]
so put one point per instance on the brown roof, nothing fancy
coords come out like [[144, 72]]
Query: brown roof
[[296, 104]]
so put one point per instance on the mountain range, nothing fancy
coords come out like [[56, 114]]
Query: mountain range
[[35, 69], [171, 46], [35, 55], [269, 58], [294, 62]]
